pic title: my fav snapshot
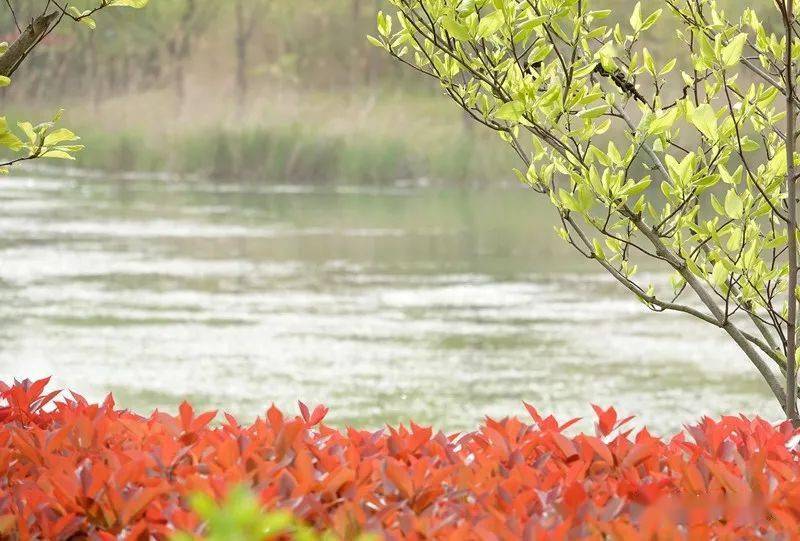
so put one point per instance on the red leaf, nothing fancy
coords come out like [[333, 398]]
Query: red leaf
[[606, 419], [600, 448], [638, 453], [318, 415], [399, 477], [275, 417], [186, 414], [565, 445], [304, 411]]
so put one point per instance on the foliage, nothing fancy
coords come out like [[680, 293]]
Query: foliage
[[681, 163], [241, 518], [43, 140], [71, 469]]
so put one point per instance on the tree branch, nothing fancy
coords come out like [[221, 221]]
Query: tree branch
[[32, 34]]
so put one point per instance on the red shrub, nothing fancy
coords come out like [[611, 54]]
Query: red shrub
[[74, 470]]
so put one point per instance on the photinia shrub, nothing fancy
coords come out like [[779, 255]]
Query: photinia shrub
[[71, 469]]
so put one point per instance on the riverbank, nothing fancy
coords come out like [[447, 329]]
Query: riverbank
[[372, 136]]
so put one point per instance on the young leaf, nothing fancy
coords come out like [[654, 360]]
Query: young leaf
[[136, 4], [732, 52], [636, 17], [511, 111], [705, 120], [456, 29], [733, 205], [489, 25]]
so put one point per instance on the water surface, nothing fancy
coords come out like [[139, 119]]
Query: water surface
[[441, 305]]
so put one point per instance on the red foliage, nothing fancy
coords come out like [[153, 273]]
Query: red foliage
[[74, 470]]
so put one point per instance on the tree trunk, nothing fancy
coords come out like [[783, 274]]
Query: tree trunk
[[791, 188], [94, 79], [180, 83], [241, 56]]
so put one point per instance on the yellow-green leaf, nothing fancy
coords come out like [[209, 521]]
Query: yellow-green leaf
[[733, 205], [489, 25], [456, 29], [136, 4], [27, 127], [705, 119], [511, 111], [732, 52]]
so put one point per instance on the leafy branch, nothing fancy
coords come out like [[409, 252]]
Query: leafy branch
[[702, 186]]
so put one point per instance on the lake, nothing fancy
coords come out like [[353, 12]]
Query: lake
[[386, 304]]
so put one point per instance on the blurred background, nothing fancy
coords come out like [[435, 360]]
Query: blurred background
[[269, 209]]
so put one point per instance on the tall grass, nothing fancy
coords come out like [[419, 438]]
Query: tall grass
[[293, 154]]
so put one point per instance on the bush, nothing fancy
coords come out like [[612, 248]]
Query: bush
[[72, 470]]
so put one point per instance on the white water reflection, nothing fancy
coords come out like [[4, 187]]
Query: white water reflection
[[437, 305]]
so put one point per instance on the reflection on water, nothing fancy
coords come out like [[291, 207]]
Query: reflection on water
[[441, 305]]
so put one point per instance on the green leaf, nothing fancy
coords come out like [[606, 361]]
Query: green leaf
[[136, 4], [27, 127], [606, 54], [384, 24], [719, 275], [4, 81], [668, 67], [532, 23], [59, 136], [593, 112], [456, 29], [376, 42], [511, 111], [705, 119], [636, 17], [59, 154], [649, 63], [10, 141], [749, 145], [598, 250], [489, 25], [651, 20], [732, 52], [733, 205], [638, 188], [568, 201], [663, 122]]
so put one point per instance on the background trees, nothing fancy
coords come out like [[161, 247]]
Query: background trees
[[284, 60], [266, 38]]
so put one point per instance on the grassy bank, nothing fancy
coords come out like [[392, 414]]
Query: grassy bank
[[371, 136], [294, 154]]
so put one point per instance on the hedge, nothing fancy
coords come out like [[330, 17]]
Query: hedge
[[71, 469]]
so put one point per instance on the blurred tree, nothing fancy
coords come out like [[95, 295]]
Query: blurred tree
[[179, 25], [248, 14]]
